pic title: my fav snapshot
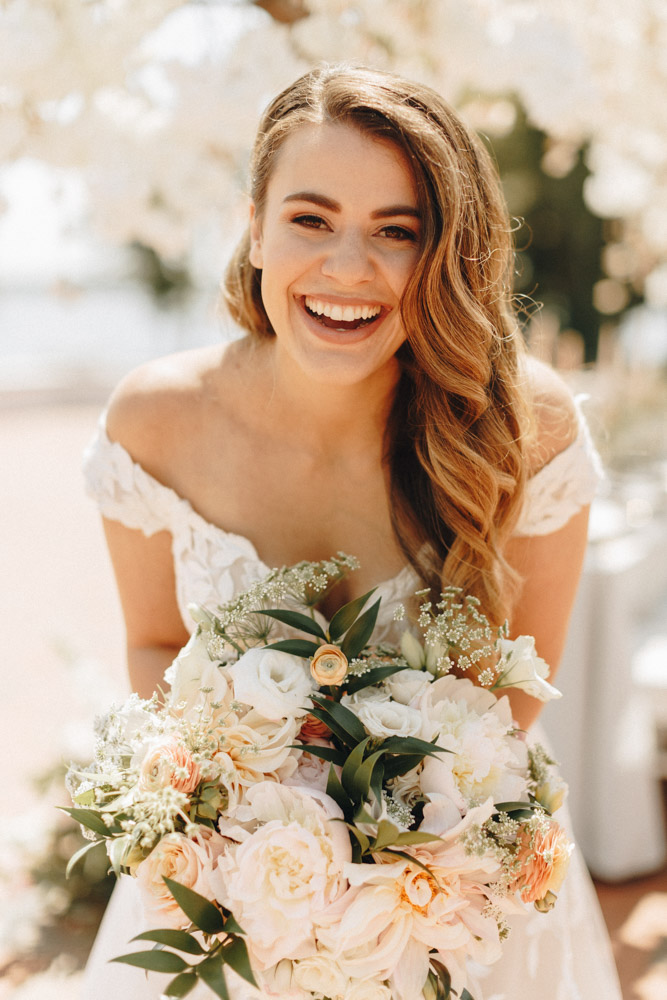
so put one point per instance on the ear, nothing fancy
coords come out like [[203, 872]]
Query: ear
[[255, 255]]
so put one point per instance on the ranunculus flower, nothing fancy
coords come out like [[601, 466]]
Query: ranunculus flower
[[521, 667], [329, 665], [313, 729], [184, 859], [543, 861], [169, 762], [276, 684]]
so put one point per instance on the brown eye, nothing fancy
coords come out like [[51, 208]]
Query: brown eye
[[310, 221], [399, 233]]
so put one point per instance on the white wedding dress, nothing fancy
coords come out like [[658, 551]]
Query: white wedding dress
[[563, 955]]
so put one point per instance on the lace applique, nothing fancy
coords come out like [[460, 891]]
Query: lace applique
[[562, 487]]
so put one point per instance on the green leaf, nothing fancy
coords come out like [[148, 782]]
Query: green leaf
[[347, 615], [181, 985], [348, 776], [89, 818], [416, 837], [88, 846], [399, 764], [386, 834], [413, 861], [509, 807], [154, 961], [201, 912], [374, 676], [361, 778], [360, 837], [346, 719], [358, 635], [296, 620], [349, 741], [232, 926], [336, 791], [465, 995], [297, 647], [180, 940], [324, 753], [411, 745], [235, 955], [212, 972]]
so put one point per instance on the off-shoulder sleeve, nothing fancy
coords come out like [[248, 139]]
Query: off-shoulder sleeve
[[562, 487], [123, 490]]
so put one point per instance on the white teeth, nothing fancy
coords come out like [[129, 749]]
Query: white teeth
[[345, 313]]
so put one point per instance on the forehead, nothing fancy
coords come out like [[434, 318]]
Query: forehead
[[343, 162]]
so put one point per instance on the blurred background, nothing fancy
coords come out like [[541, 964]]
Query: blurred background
[[124, 137]]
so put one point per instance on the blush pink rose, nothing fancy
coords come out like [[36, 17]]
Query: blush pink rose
[[169, 763]]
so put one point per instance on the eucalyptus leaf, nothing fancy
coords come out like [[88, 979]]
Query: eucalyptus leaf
[[213, 974], [180, 940], [89, 818], [181, 985], [88, 846], [297, 647], [201, 912], [296, 620], [154, 961], [347, 615], [235, 955], [358, 635]]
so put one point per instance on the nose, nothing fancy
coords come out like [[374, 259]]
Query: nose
[[348, 259]]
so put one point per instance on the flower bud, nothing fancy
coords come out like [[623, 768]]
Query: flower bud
[[546, 903], [413, 651], [329, 665]]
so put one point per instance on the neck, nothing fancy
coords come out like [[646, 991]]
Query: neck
[[327, 417]]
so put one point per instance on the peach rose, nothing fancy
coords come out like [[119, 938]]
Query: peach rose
[[314, 729], [543, 863], [169, 763], [329, 665], [184, 859]]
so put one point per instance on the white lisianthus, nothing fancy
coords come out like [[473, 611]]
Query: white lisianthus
[[407, 685], [192, 671], [389, 718], [321, 974], [276, 684], [522, 668]]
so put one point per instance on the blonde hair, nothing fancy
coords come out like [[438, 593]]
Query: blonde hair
[[454, 439]]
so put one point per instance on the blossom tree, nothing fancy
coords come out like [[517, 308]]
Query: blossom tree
[[156, 103]]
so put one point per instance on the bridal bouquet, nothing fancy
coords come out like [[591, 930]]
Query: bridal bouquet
[[312, 814]]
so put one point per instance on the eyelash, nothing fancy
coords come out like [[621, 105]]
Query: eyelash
[[316, 222]]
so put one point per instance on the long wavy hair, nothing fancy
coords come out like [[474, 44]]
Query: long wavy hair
[[455, 437]]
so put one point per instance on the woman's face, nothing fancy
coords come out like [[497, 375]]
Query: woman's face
[[337, 241]]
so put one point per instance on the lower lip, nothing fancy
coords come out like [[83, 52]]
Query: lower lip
[[340, 336]]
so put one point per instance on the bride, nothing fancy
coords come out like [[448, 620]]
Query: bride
[[379, 403]]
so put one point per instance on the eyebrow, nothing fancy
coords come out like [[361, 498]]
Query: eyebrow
[[334, 206]]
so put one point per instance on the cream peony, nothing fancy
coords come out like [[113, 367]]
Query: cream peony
[[184, 859], [321, 974], [283, 877], [274, 683]]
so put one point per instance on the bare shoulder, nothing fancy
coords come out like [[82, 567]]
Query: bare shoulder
[[555, 423], [158, 405]]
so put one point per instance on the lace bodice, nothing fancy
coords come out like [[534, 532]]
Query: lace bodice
[[212, 565]]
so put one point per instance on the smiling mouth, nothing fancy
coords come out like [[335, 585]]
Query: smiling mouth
[[341, 318]]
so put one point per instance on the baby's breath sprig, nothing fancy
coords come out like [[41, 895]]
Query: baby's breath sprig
[[459, 625]]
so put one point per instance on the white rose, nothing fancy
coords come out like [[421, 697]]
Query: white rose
[[321, 974], [275, 684], [192, 670], [406, 685], [389, 718], [286, 874], [367, 989], [522, 668]]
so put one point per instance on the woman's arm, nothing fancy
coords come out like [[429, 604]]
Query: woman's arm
[[550, 567], [146, 585]]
